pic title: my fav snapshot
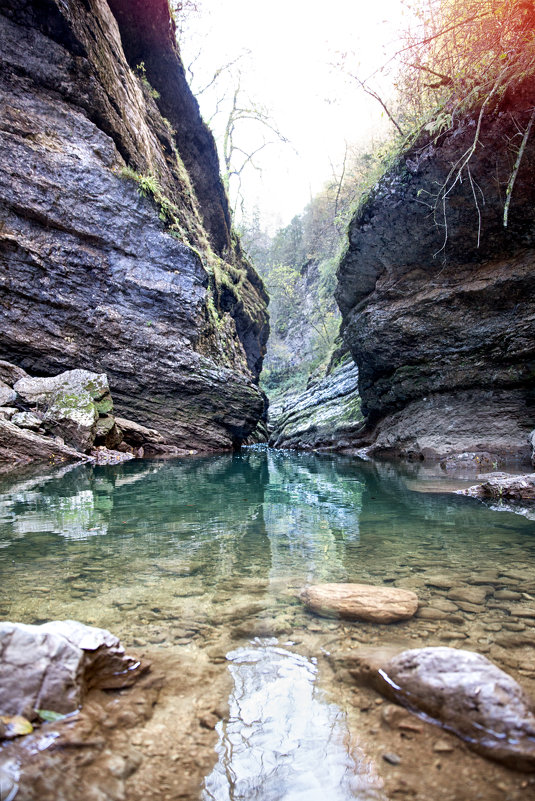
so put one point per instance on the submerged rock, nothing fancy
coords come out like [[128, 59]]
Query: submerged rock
[[464, 692], [50, 667], [360, 602], [503, 485]]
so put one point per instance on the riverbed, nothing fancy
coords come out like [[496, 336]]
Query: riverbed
[[197, 564]]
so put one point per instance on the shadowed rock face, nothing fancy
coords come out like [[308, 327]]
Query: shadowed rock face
[[443, 330], [90, 275]]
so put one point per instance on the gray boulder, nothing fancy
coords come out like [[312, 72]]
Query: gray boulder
[[504, 486], [468, 695], [531, 440], [26, 420], [7, 395], [71, 404], [52, 666]]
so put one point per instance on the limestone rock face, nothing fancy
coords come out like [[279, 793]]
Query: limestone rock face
[[360, 602], [325, 416], [116, 254], [51, 666], [442, 330], [469, 695]]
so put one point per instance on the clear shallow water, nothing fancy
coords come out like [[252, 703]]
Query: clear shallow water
[[209, 553]]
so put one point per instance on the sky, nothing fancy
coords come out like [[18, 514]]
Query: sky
[[294, 46]]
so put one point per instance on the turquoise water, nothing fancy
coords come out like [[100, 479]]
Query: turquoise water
[[210, 553]]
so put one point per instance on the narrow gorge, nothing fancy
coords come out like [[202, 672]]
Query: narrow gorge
[[267, 500]]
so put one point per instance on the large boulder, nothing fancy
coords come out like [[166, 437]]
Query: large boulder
[[467, 694], [70, 403], [360, 602], [11, 373], [51, 667]]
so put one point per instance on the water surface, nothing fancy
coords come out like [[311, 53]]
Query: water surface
[[209, 553]]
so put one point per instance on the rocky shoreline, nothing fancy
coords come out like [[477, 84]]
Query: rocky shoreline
[[67, 417]]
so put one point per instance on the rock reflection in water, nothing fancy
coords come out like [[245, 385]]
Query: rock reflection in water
[[282, 741]]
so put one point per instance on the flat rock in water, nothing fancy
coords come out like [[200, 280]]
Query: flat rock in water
[[377, 604], [502, 485], [52, 666], [467, 694]]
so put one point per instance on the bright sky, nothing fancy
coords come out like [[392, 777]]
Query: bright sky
[[293, 45]]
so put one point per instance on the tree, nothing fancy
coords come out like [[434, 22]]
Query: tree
[[242, 126], [458, 60]]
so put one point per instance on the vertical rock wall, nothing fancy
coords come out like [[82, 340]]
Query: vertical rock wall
[[443, 328], [116, 252]]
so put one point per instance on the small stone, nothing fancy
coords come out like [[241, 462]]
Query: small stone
[[471, 595], [443, 747], [27, 420], [444, 582], [391, 758], [208, 720], [507, 595]]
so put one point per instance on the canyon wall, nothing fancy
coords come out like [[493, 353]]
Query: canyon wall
[[438, 301], [116, 248]]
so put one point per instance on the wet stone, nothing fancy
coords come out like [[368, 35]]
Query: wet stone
[[473, 609], [442, 581], [514, 626], [507, 595], [443, 747], [391, 758], [471, 595]]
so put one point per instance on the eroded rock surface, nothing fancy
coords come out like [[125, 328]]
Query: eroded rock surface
[[129, 272], [325, 416], [360, 602], [20, 446], [443, 330], [52, 666]]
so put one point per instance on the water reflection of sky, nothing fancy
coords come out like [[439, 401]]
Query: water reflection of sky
[[282, 740]]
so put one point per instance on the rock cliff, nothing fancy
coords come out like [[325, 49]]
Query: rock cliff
[[443, 327], [324, 416], [116, 251]]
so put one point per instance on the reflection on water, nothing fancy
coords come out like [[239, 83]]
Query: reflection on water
[[282, 740], [207, 555]]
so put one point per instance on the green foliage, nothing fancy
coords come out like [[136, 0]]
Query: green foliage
[[143, 77], [169, 213]]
